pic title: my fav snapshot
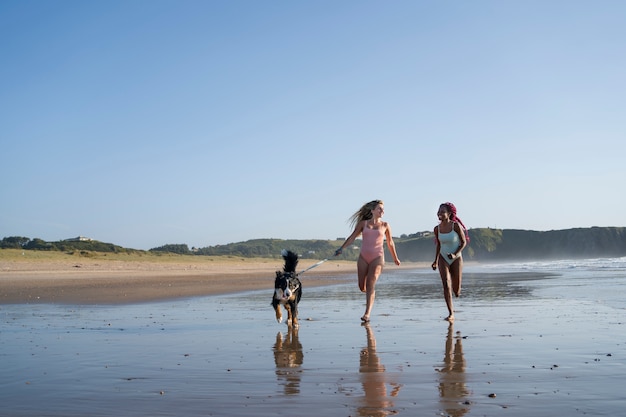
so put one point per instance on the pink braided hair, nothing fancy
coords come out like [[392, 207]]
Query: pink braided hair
[[454, 218]]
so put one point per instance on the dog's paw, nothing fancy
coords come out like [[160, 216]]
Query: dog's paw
[[279, 319]]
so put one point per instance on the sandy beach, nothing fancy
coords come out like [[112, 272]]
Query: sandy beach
[[89, 281], [542, 339]]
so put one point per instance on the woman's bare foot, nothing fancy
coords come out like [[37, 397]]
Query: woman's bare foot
[[365, 319], [450, 318]]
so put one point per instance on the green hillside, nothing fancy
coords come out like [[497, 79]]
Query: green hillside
[[486, 245]]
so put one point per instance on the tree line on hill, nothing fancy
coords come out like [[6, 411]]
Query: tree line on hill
[[486, 245], [20, 242]]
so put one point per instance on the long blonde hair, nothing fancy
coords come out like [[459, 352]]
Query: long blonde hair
[[364, 213]]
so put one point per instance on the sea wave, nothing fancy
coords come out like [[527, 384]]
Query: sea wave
[[594, 264]]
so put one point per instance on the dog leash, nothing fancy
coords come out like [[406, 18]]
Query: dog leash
[[312, 266]]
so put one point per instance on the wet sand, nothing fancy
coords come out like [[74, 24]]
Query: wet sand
[[524, 343]]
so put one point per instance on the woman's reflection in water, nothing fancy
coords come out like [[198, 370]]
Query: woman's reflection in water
[[288, 357], [452, 388], [373, 377]]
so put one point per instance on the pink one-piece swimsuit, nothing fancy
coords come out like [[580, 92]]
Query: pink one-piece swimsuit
[[372, 244]]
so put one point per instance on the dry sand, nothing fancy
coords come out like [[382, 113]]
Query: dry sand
[[98, 281]]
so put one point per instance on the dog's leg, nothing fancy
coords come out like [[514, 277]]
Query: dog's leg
[[293, 314], [279, 314], [289, 316], [295, 318]]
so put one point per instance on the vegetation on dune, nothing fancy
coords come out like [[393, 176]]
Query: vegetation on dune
[[271, 248], [18, 242]]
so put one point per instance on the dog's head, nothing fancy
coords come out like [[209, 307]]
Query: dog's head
[[286, 285]]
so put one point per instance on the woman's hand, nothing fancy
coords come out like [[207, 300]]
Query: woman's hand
[[434, 266]]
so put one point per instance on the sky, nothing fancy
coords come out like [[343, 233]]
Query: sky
[[149, 122]]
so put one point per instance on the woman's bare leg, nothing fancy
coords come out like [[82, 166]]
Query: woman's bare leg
[[444, 272], [456, 273], [373, 272], [361, 271]]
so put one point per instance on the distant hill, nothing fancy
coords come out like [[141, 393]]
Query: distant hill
[[486, 245], [69, 245]]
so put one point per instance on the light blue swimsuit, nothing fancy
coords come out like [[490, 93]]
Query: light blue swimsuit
[[449, 244]]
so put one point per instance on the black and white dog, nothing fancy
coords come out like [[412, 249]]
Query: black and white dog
[[287, 290]]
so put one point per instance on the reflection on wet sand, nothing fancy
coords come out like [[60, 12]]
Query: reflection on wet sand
[[452, 386], [376, 403], [288, 356]]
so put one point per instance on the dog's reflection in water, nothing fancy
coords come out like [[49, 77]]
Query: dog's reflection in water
[[376, 402], [288, 356], [452, 387]]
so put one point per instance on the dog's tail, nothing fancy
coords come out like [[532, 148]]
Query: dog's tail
[[291, 261]]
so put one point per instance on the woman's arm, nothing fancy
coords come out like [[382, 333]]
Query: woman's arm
[[459, 231], [358, 229], [391, 245], [437, 248]]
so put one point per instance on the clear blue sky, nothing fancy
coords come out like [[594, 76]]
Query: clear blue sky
[[144, 123]]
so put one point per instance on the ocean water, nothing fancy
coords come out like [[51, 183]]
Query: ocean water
[[543, 338]]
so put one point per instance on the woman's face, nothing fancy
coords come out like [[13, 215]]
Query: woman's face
[[378, 211], [443, 213]]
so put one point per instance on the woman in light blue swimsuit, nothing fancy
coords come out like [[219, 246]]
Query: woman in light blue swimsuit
[[451, 237]]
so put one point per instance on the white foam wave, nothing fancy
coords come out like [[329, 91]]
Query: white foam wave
[[612, 264]]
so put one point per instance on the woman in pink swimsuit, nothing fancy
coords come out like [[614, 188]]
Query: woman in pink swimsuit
[[368, 223]]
